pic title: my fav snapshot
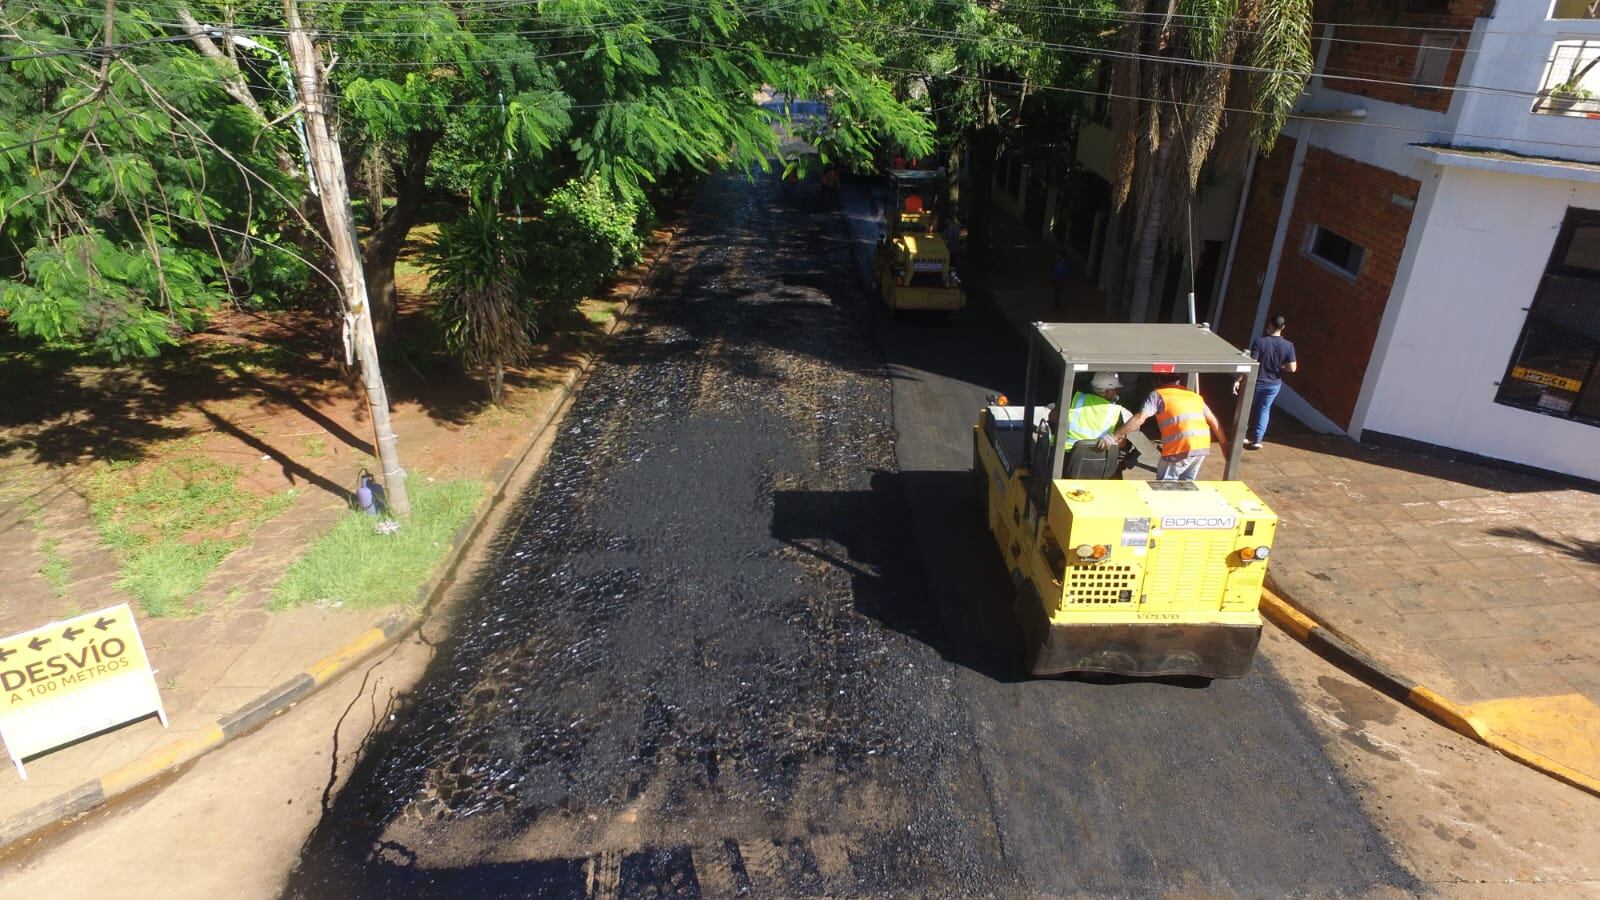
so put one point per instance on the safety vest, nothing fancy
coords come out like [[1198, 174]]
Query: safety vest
[[1182, 421], [1090, 417]]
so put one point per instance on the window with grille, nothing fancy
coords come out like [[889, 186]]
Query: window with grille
[[1336, 251], [1553, 369]]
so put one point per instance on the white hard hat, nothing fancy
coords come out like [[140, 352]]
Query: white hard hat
[[1105, 381]]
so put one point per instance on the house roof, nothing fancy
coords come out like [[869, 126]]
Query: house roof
[[1510, 163], [1123, 347]]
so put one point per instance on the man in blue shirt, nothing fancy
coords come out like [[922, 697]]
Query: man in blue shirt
[[1275, 353]]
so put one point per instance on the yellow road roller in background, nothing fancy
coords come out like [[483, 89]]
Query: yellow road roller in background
[[912, 264], [1114, 572]]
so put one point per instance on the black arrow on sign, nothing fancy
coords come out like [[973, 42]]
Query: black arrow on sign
[[71, 633], [38, 643], [103, 624], [6, 653]]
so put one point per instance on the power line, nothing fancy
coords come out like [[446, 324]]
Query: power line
[[1106, 53], [1331, 37], [1131, 15], [1095, 52], [758, 10], [1115, 96], [1070, 48]]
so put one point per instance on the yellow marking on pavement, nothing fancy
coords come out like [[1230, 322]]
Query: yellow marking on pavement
[[1563, 729], [1457, 717], [174, 754], [331, 666], [1285, 616]]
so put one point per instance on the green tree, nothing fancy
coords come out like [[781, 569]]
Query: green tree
[[988, 73], [480, 299], [523, 101], [135, 195], [1194, 79]]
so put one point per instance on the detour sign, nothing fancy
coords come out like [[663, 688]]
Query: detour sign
[[73, 678]]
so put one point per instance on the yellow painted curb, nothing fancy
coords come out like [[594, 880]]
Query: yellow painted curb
[[330, 667], [174, 754], [1285, 616], [1536, 760], [1455, 716]]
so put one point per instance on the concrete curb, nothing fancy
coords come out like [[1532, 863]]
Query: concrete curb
[[170, 757], [1293, 619]]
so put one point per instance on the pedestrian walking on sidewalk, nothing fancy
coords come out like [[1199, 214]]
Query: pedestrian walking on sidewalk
[[1188, 428], [1275, 353], [1058, 278]]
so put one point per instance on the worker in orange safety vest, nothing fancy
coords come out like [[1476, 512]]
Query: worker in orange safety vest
[[1188, 428]]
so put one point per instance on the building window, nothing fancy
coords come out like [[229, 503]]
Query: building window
[[1336, 251], [1572, 80], [1576, 9], [1433, 58], [1553, 369]]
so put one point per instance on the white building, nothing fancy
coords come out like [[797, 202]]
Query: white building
[[1431, 229]]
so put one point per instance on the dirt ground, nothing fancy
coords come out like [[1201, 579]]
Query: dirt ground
[[258, 391]]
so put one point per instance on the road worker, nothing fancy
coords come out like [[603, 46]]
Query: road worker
[[1095, 413], [1188, 428]]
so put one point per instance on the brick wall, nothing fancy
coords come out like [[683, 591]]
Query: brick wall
[[1333, 319], [1391, 53], [1255, 243]]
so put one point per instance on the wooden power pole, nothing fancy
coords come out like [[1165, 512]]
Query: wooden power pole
[[327, 164]]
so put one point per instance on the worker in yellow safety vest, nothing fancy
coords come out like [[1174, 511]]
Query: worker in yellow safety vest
[[1094, 413], [1188, 427]]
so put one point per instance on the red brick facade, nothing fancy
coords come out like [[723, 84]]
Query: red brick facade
[[1333, 318], [1267, 186], [1391, 53]]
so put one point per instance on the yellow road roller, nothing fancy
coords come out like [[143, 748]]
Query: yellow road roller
[[912, 264], [1116, 572]]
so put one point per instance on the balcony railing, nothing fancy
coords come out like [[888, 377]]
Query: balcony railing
[[1572, 79]]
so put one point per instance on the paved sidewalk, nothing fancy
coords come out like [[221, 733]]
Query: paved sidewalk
[[1480, 583]]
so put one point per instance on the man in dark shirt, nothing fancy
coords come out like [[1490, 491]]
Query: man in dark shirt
[[1275, 353]]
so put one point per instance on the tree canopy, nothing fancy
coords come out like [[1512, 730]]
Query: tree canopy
[[148, 166]]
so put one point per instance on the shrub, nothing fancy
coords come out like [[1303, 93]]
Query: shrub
[[586, 234], [476, 279]]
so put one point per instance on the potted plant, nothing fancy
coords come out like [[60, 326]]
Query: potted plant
[[1566, 95]]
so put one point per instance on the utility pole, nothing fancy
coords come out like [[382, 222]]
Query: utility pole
[[327, 164]]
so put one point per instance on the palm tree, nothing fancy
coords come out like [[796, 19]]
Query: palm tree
[[475, 276], [1196, 80]]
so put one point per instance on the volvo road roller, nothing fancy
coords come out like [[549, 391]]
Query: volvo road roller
[[1115, 572], [912, 264]]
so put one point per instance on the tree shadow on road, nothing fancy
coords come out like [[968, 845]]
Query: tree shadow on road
[[1580, 549], [960, 604]]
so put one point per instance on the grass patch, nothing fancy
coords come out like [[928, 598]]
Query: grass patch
[[172, 521], [353, 565], [600, 315], [54, 568], [316, 447]]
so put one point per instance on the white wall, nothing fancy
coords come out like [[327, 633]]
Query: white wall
[[1477, 260], [1515, 49]]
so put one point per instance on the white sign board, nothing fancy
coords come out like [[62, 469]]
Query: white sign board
[[73, 678]]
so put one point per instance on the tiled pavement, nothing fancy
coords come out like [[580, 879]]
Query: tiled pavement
[[1480, 583]]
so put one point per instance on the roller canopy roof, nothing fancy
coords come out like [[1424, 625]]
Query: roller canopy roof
[[1141, 348]]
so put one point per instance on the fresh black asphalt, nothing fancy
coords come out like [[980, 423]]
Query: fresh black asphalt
[[748, 639]]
